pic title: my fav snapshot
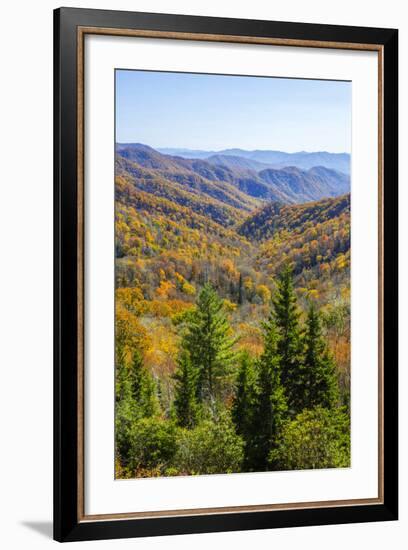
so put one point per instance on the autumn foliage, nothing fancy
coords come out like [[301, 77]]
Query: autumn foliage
[[232, 324]]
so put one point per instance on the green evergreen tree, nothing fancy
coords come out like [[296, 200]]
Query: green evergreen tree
[[122, 387], [289, 344], [321, 385], [209, 345], [121, 376], [142, 388], [244, 399], [185, 401], [149, 397], [240, 291], [124, 409], [136, 395], [136, 377], [270, 406]]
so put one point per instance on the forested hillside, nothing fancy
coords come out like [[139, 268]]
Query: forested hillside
[[232, 316], [230, 178]]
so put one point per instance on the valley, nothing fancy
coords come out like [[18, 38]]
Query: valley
[[184, 222]]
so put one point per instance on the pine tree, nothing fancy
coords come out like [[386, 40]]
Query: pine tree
[[270, 405], [142, 388], [135, 376], [289, 344], [209, 344], [122, 387], [185, 401], [240, 291], [242, 408], [321, 385], [136, 398], [149, 398]]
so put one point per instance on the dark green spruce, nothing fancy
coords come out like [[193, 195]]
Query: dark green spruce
[[289, 341], [270, 405], [208, 342], [319, 378], [244, 400], [185, 401]]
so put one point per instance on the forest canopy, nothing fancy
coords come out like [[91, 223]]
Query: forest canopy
[[232, 339]]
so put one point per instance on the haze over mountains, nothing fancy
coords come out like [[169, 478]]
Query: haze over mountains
[[220, 182], [276, 159]]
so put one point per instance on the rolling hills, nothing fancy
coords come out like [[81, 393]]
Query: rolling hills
[[192, 220], [234, 183]]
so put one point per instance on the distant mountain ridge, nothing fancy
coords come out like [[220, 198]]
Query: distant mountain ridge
[[277, 159], [231, 161], [233, 183]]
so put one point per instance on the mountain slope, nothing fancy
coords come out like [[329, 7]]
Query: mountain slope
[[218, 205], [198, 176], [313, 237], [303, 186], [233, 182], [276, 217], [173, 235]]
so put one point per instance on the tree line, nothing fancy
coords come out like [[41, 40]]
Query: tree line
[[233, 412]]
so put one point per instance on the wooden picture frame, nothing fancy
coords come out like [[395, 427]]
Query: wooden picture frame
[[70, 27]]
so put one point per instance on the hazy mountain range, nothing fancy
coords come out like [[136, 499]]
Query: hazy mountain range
[[211, 185], [261, 159]]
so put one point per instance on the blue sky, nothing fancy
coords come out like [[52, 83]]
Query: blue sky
[[215, 112]]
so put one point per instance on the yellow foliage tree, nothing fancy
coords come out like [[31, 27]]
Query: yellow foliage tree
[[264, 293], [130, 335], [165, 289]]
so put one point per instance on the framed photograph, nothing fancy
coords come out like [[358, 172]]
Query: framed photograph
[[225, 274]]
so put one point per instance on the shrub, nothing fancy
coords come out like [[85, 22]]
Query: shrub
[[212, 447], [152, 446], [317, 438]]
